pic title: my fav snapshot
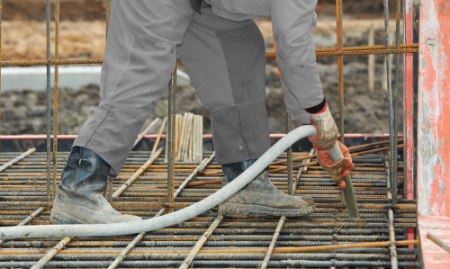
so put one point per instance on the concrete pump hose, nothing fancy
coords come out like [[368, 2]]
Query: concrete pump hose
[[116, 229]]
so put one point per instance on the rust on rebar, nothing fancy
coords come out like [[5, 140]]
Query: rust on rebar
[[139, 237], [324, 52], [201, 241]]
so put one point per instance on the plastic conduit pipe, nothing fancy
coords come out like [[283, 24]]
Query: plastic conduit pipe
[[117, 229]]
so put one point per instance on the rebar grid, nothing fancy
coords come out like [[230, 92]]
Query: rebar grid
[[233, 242], [227, 242]]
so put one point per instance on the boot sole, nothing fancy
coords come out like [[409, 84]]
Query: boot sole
[[244, 210], [58, 217]]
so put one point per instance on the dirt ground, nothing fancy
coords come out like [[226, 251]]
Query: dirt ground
[[83, 34], [89, 10]]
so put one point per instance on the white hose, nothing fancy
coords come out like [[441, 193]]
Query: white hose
[[88, 230]]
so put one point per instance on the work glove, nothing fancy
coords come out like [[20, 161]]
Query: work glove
[[338, 170], [196, 5], [326, 138], [327, 131]]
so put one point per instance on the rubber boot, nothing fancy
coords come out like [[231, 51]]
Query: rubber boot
[[261, 198], [79, 198]]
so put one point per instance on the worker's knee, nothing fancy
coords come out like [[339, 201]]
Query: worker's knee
[[244, 53]]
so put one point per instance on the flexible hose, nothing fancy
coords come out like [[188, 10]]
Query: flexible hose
[[88, 230]]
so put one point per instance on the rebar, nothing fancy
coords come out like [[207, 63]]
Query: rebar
[[282, 220], [171, 138], [276, 234], [48, 94], [49, 255], [340, 66], [321, 52], [137, 174], [56, 97], [18, 158], [235, 243], [119, 259], [29, 218], [393, 131], [289, 156], [107, 4], [145, 131], [395, 101], [201, 241], [169, 247]]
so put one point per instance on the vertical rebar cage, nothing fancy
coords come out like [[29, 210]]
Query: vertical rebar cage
[[146, 186]]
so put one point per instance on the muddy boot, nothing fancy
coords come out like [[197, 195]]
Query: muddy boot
[[79, 198], [260, 197]]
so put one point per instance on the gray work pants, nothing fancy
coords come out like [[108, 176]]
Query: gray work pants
[[225, 58]]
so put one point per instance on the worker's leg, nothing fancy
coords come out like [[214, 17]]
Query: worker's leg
[[293, 25], [226, 62], [139, 58]]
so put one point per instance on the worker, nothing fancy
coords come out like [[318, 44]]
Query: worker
[[224, 54]]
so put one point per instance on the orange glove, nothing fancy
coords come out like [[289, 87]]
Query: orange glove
[[337, 170], [326, 138]]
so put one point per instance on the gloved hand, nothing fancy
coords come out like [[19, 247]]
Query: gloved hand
[[326, 138], [327, 131], [196, 5], [337, 170]]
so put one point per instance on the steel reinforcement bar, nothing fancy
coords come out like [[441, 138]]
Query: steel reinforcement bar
[[325, 52], [231, 242]]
